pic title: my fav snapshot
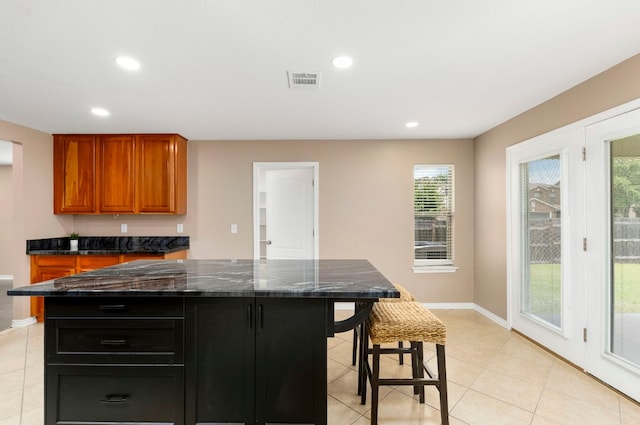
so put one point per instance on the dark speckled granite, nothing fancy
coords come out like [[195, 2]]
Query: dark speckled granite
[[336, 279], [100, 245]]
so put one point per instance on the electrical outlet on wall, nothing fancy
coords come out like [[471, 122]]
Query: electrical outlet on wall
[[123, 228], [234, 228], [179, 228]]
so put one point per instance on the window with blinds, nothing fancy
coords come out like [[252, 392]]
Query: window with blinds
[[433, 215]]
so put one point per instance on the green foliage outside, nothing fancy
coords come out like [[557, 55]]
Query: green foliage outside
[[428, 194], [545, 288], [626, 184]]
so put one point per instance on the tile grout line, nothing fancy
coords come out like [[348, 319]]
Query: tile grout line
[[542, 392]]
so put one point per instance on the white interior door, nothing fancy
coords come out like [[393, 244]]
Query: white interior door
[[287, 218], [546, 230], [613, 253]]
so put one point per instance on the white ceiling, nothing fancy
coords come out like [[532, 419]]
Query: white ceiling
[[218, 69]]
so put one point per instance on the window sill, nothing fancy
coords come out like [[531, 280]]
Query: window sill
[[435, 269]]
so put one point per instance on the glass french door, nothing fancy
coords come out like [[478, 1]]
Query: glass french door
[[613, 252], [545, 227]]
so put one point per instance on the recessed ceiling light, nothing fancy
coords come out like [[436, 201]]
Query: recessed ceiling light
[[342, 62], [411, 124], [128, 63], [101, 112]]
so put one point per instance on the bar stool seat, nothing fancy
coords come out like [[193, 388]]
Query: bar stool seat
[[405, 321], [405, 295]]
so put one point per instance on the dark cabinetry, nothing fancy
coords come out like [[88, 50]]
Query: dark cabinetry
[[114, 361], [186, 360], [270, 353]]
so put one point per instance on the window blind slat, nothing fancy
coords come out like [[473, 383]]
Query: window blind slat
[[433, 214]]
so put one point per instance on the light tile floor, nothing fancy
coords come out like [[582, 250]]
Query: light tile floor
[[495, 377]]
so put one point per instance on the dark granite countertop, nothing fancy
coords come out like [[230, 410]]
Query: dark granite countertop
[[336, 279], [109, 245]]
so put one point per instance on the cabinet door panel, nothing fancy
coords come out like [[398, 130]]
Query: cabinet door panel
[[291, 361], [156, 162], [74, 172], [113, 395], [119, 307], [116, 176], [92, 262], [220, 367], [116, 341], [47, 267]]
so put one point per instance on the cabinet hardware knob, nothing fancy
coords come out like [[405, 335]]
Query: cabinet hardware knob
[[113, 307], [115, 398], [113, 342]]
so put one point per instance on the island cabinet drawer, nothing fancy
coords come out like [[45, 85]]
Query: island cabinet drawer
[[116, 341], [114, 307], [114, 395]]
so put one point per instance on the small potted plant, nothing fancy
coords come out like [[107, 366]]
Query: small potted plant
[[73, 241]]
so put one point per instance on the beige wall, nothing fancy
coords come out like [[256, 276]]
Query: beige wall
[[366, 195], [32, 205], [6, 220], [611, 88]]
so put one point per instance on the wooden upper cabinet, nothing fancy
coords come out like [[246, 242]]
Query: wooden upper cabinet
[[162, 182], [116, 174], [120, 174], [74, 174]]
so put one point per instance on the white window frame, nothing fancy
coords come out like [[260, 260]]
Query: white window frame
[[438, 265]]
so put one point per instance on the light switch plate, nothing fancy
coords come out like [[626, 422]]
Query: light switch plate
[[234, 228]]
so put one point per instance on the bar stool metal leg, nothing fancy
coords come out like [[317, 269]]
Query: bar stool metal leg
[[442, 387], [375, 381]]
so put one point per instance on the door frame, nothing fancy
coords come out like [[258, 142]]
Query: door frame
[[601, 362], [567, 340], [258, 169], [596, 338]]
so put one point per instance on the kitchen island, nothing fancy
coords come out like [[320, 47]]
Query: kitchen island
[[198, 341]]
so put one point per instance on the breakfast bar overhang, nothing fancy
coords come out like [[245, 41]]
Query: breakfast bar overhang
[[198, 341]]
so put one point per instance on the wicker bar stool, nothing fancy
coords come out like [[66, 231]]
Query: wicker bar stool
[[405, 295], [406, 321]]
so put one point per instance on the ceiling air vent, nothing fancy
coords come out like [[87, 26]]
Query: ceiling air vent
[[304, 80]]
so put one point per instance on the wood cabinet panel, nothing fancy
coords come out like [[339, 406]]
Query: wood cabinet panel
[[116, 174], [85, 263], [120, 174], [47, 267], [74, 174], [161, 173]]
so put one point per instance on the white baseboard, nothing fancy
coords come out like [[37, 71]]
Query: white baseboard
[[344, 306], [21, 323], [499, 320], [469, 306], [6, 277], [447, 306]]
